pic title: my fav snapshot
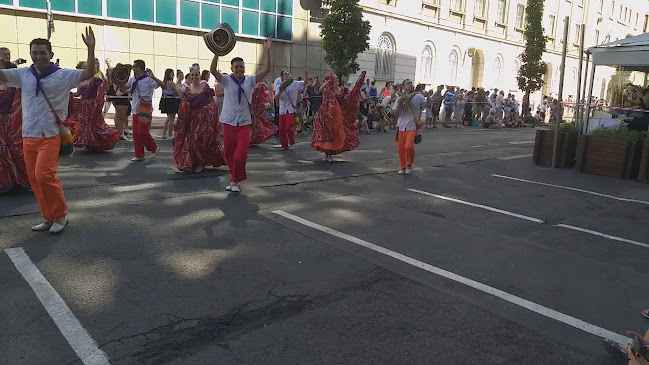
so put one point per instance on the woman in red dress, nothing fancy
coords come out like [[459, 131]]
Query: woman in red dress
[[334, 125], [12, 162], [262, 129], [198, 140], [86, 117]]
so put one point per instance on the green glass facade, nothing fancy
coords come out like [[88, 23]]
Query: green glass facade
[[246, 17]]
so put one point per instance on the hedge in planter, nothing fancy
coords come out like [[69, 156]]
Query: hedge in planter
[[566, 146], [613, 152]]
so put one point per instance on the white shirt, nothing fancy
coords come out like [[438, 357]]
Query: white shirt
[[144, 90], [38, 119], [288, 98], [499, 101], [236, 113], [408, 118], [276, 83]]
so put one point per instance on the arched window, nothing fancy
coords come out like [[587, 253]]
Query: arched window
[[452, 66], [517, 67], [384, 56], [498, 71], [426, 64]]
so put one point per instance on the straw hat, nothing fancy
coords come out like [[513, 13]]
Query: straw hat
[[220, 40], [121, 73]]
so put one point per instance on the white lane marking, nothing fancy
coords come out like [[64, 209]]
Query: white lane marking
[[531, 219], [573, 189], [603, 235], [534, 307], [305, 161], [476, 146], [80, 341], [521, 142], [515, 157]]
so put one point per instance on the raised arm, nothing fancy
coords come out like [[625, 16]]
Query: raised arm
[[157, 80], [323, 86], [266, 70], [89, 40], [213, 69]]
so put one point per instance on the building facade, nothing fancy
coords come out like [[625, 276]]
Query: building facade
[[467, 43], [477, 43]]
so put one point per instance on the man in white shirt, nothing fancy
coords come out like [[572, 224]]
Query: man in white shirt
[[142, 86], [500, 101], [407, 109], [40, 130], [235, 115], [286, 98]]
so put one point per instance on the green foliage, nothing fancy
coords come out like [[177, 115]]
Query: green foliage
[[529, 120], [567, 127], [344, 35], [617, 133], [530, 75]]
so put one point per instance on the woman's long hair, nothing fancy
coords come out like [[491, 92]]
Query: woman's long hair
[[167, 77]]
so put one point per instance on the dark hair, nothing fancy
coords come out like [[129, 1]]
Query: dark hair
[[283, 72], [7, 64], [236, 59], [40, 42], [187, 76], [140, 64], [167, 71], [373, 82], [4, 49]]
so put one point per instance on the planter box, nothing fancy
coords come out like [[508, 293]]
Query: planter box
[[609, 157], [566, 148], [644, 161]]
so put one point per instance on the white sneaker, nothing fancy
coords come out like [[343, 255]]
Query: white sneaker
[[58, 228], [164, 136], [228, 188], [137, 159], [401, 172], [409, 170], [199, 168], [155, 153], [291, 147], [235, 188], [43, 226]]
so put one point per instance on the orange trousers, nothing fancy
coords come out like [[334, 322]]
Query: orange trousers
[[42, 162], [406, 148]]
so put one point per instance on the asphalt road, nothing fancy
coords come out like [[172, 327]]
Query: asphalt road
[[318, 263]]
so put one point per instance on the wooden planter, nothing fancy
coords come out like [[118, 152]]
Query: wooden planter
[[644, 161], [609, 157], [566, 148]]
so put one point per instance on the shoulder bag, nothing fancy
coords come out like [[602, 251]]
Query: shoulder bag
[[67, 147]]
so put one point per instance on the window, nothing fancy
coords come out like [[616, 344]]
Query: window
[[165, 11], [596, 37], [613, 10], [426, 64], [636, 20], [552, 19], [601, 5], [384, 56], [480, 8], [577, 34], [500, 16], [498, 71], [457, 5], [520, 16], [452, 66], [118, 9]]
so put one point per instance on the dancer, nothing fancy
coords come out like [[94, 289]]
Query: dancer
[[235, 116], [334, 125], [263, 130], [286, 96], [169, 103], [407, 110], [122, 104], [142, 86], [12, 162], [198, 139], [44, 95], [86, 117]]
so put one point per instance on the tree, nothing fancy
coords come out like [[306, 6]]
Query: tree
[[344, 35], [530, 75]]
